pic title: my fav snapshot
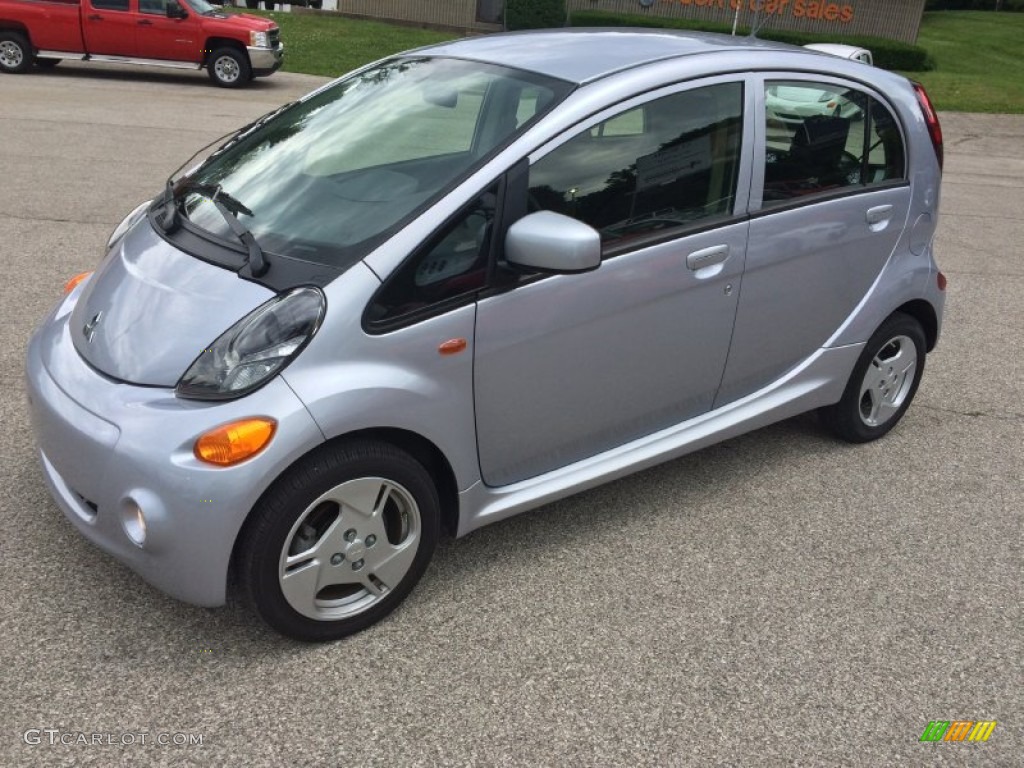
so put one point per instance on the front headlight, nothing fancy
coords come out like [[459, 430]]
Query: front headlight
[[129, 221], [259, 39], [256, 348]]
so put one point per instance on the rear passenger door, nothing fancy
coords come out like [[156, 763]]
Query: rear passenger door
[[109, 27], [829, 202]]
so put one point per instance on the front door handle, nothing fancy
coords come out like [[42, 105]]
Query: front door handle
[[706, 257], [878, 214]]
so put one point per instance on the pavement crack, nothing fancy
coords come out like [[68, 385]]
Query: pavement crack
[[975, 414], [56, 221]]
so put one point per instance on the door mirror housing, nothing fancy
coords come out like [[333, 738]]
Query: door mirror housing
[[546, 241], [175, 11]]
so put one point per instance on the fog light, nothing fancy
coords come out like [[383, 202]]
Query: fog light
[[133, 522]]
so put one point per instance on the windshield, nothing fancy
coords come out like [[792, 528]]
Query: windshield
[[201, 7], [332, 177]]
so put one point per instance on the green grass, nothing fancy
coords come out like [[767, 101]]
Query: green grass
[[979, 64], [334, 45]]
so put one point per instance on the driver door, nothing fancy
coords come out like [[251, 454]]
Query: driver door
[[160, 37], [569, 366]]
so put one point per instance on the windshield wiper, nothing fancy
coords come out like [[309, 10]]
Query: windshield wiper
[[169, 219], [230, 208]]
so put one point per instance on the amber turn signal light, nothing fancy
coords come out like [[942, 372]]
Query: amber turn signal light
[[71, 284], [231, 443]]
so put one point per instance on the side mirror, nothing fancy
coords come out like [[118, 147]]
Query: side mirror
[[175, 11], [550, 242]]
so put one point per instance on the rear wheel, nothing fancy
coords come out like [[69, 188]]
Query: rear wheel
[[883, 382], [339, 540], [15, 53], [229, 68]]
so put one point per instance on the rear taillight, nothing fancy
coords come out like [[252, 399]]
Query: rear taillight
[[941, 281], [931, 120]]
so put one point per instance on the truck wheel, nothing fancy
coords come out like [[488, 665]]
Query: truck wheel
[[229, 68], [15, 52]]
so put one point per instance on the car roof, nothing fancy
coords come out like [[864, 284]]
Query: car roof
[[582, 55]]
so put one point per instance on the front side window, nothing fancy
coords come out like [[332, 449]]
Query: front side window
[[451, 266], [155, 7], [823, 138], [650, 170], [332, 177]]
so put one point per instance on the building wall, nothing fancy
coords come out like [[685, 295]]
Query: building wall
[[893, 19], [449, 14]]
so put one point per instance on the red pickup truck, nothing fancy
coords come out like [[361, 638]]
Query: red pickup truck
[[187, 34]]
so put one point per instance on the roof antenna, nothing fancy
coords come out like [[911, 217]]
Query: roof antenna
[[756, 25]]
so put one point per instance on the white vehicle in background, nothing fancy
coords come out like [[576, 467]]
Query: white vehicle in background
[[793, 103], [843, 51]]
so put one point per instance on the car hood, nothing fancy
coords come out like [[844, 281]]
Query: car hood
[[150, 309]]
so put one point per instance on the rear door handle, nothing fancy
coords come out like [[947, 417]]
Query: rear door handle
[[95, 17], [706, 257], [878, 214], [145, 23]]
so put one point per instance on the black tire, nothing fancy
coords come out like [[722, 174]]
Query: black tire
[[47, 63], [289, 521], [229, 68], [15, 53], [881, 387]]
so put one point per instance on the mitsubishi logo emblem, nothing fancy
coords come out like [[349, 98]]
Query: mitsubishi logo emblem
[[89, 329]]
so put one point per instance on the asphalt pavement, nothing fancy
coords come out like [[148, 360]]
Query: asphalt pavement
[[779, 599]]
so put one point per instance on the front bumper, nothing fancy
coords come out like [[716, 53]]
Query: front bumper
[[105, 444], [266, 61]]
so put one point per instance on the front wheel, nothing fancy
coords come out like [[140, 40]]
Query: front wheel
[[883, 382], [339, 540], [15, 53], [229, 68]]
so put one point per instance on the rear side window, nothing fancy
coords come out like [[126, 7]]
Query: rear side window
[[110, 5], [823, 138], [650, 170]]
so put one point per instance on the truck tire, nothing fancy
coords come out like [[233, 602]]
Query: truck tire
[[229, 68], [15, 53]]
